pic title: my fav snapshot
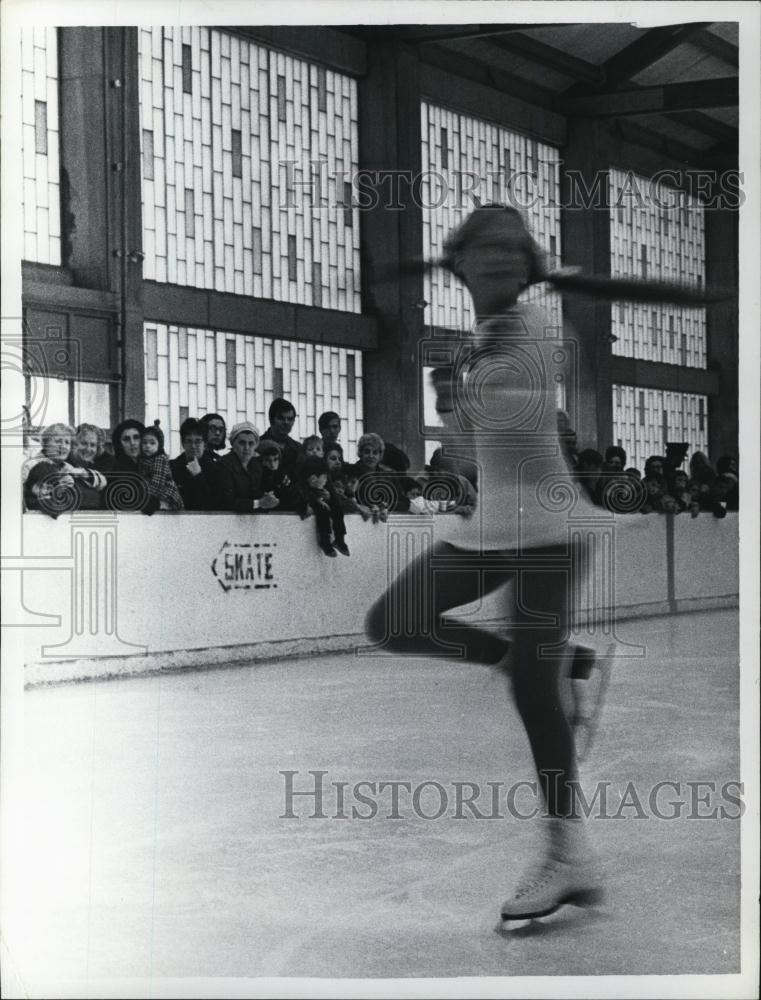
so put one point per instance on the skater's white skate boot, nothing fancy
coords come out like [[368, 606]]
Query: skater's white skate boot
[[551, 885], [568, 874]]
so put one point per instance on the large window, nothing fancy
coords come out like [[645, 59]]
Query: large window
[[461, 155], [39, 145], [190, 372], [657, 232], [644, 420], [248, 155]]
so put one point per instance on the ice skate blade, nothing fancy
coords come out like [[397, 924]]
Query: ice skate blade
[[581, 897]]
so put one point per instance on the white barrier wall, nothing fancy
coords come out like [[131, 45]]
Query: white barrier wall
[[129, 593], [706, 557]]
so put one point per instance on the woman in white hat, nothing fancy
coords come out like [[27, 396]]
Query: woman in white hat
[[242, 472]]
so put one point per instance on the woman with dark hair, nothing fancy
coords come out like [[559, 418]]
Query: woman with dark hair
[[127, 488], [501, 392], [702, 477]]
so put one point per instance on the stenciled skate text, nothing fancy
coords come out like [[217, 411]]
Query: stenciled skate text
[[245, 566]]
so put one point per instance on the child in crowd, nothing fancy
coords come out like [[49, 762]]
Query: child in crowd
[[412, 500], [339, 478], [458, 475], [154, 467], [274, 480], [682, 493], [313, 446], [723, 494], [316, 498]]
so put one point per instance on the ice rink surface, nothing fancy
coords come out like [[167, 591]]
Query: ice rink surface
[[156, 848]]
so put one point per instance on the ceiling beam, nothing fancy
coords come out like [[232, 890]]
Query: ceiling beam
[[526, 47], [706, 124], [490, 76], [651, 46], [664, 145], [716, 46], [422, 34], [687, 96]]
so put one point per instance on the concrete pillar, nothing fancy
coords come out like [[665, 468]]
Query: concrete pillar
[[585, 238], [721, 238], [391, 232]]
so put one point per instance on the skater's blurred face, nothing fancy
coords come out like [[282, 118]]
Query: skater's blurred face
[[193, 445], [130, 442], [370, 456], [494, 263], [244, 446]]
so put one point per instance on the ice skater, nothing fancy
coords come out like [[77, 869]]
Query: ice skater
[[502, 395]]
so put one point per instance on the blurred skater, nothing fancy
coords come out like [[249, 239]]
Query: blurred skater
[[504, 399]]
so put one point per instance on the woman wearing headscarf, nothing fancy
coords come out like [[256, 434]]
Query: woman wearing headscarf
[[242, 473]]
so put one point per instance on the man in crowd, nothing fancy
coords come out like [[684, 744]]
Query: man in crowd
[[216, 434], [329, 426], [282, 416]]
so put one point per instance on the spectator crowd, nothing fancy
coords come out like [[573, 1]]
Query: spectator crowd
[[663, 487], [239, 470]]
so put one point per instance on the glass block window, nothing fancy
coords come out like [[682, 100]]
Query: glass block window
[[245, 155], [190, 372], [461, 154], [657, 232], [645, 419], [39, 145]]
